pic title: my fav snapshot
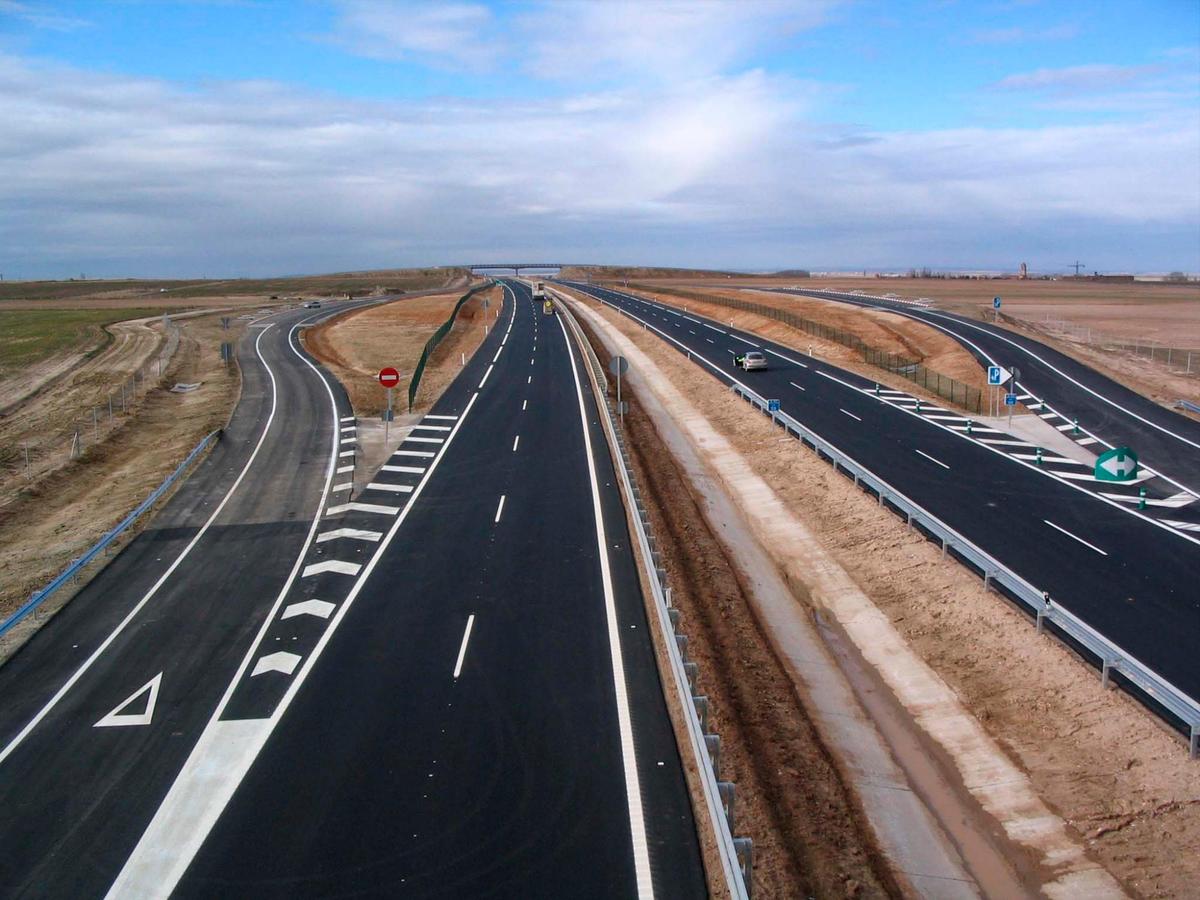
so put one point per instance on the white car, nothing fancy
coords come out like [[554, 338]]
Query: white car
[[751, 359]]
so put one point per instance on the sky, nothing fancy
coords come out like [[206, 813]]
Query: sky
[[225, 138]]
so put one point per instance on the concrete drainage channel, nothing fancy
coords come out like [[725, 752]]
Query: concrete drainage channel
[[736, 853]]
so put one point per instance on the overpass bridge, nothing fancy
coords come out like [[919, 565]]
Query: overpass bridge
[[487, 269]]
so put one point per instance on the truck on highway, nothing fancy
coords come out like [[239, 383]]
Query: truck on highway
[[539, 291]]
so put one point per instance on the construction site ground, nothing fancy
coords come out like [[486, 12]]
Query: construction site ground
[[1120, 782]]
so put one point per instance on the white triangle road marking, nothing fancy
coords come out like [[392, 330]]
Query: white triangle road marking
[[331, 565], [362, 507], [276, 662], [117, 717], [319, 608], [356, 533]]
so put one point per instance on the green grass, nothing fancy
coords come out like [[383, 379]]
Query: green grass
[[28, 336]]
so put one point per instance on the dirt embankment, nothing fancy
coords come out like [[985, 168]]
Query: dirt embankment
[[809, 839], [46, 524], [356, 345], [1122, 784], [881, 330]]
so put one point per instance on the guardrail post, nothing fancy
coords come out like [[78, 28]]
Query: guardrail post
[[1194, 743], [712, 743], [692, 671], [728, 792], [745, 853], [944, 548], [1109, 665], [987, 581], [701, 704]]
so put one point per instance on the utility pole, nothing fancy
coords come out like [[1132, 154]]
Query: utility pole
[[1077, 265]]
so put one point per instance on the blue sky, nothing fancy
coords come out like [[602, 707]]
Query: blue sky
[[229, 138]]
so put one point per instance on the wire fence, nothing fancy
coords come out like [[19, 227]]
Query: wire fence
[[436, 338], [957, 392], [1179, 360], [45, 441]]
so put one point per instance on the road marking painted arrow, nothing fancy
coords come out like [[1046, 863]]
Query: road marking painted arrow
[[331, 565], [355, 533], [319, 608], [118, 717], [362, 507], [276, 662]]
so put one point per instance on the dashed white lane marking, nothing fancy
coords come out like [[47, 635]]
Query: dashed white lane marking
[[344, 486], [797, 387], [529, 380], [357, 534], [362, 507], [117, 718], [1074, 537], [342, 470], [319, 608], [276, 662], [524, 403], [349, 440], [462, 650], [690, 331], [346, 453], [931, 459], [531, 360], [423, 440], [794, 362], [501, 350], [499, 509], [432, 427], [422, 453], [385, 486], [485, 376], [347, 419], [710, 340], [850, 414], [330, 565], [516, 441], [412, 470], [445, 418]]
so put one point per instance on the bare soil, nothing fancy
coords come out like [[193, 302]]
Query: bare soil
[[355, 346], [1121, 782], [809, 837], [46, 524]]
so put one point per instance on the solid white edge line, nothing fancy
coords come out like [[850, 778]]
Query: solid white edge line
[[153, 872], [462, 650], [1075, 537], [633, 791], [931, 459], [107, 642]]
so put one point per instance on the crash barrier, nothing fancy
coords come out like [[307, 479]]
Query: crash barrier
[[737, 854], [1116, 665], [436, 338], [963, 395], [38, 597], [1188, 405]]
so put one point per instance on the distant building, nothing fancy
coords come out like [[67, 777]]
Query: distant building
[[1024, 272]]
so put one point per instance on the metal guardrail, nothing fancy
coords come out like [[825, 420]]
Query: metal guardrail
[[1113, 660], [38, 597], [736, 853], [1188, 405]]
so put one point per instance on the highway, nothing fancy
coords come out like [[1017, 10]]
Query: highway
[[1109, 414], [1123, 572], [441, 683]]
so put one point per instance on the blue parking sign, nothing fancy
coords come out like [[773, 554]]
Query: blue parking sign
[[772, 406], [1010, 399], [995, 303]]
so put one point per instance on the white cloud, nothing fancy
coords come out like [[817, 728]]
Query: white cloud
[[39, 16], [1076, 78], [444, 34], [1020, 35], [132, 175]]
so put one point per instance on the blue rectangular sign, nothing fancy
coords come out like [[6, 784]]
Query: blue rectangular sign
[[1010, 399], [772, 406]]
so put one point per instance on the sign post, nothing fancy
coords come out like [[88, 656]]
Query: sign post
[[996, 376], [996, 307], [389, 378], [619, 365]]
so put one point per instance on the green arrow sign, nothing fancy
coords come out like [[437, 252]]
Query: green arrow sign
[[1118, 464]]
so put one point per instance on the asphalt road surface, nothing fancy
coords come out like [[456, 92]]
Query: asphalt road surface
[[1108, 411], [1123, 572], [437, 683]]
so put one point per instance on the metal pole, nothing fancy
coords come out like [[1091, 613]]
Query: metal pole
[[387, 422]]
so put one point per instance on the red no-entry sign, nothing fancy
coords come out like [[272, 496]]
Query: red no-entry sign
[[389, 377]]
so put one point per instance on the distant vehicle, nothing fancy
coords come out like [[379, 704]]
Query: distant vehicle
[[539, 291], [547, 308], [313, 304], [751, 359]]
